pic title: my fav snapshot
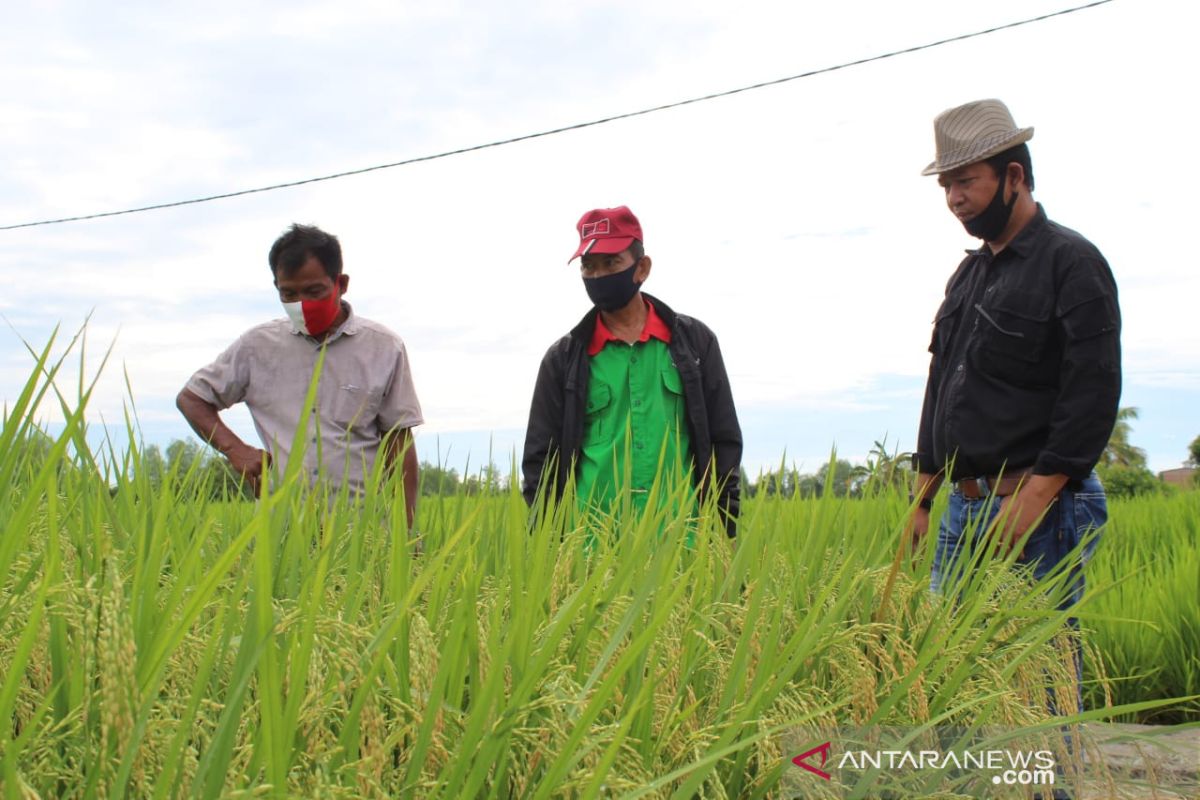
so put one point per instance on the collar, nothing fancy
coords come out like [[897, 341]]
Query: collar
[[1022, 243], [349, 326], [654, 327], [582, 332]]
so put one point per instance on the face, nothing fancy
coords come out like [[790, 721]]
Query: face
[[308, 283], [597, 265], [970, 189]]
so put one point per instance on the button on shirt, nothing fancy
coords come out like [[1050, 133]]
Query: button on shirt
[[365, 391], [1026, 365], [635, 409]]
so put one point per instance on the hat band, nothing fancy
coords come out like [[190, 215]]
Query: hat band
[[979, 146]]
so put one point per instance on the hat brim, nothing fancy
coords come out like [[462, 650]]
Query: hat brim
[[605, 247], [977, 152]]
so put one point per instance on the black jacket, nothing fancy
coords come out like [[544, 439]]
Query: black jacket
[[556, 416], [1026, 366]]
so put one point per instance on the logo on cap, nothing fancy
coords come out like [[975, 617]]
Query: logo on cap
[[606, 231], [598, 228]]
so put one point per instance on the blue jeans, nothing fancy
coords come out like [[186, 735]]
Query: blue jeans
[[1077, 512]]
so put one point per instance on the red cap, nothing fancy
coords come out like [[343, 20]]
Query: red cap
[[607, 231]]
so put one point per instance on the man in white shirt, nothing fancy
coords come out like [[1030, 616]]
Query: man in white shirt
[[365, 395]]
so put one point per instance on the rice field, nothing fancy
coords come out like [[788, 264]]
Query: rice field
[[1144, 615], [157, 643]]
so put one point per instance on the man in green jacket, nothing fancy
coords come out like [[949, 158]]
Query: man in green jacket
[[632, 388]]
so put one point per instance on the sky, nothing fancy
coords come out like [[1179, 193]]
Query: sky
[[792, 219]]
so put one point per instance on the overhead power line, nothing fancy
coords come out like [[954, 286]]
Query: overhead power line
[[565, 128]]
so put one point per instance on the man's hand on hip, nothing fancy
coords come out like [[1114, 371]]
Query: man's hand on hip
[[250, 463], [247, 461]]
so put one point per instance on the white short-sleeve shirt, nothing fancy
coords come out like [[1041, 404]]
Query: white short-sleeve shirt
[[364, 391]]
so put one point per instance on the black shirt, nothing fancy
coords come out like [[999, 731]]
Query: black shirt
[[1026, 366]]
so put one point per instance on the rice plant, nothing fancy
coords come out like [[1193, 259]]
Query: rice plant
[[1146, 612], [156, 642]]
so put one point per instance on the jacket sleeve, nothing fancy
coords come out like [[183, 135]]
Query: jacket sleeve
[[1090, 383], [725, 431], [926, 461], [545, 424]]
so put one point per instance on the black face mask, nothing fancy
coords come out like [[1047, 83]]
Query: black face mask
[[613, 291], [989, 223]]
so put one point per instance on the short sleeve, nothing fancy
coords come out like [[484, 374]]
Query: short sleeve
[[223, 382], [399, 407]]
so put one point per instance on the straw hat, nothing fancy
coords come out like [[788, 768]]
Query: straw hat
[[973, 132]]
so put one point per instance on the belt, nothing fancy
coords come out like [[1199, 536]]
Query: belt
[[997, 486]]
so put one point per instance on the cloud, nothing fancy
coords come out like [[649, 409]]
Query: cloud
[[792, 220]]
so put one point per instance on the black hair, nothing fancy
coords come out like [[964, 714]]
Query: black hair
[[636, 250], [297, 243], [1020, 154]]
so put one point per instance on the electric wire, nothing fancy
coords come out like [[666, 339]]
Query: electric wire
[[563, 129]]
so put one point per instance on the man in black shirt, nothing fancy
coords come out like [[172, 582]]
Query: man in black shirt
[[1025, 373]]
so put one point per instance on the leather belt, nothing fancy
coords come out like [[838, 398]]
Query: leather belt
[[997, 486]]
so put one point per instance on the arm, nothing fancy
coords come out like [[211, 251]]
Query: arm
[[929, 473], [926, 486], [1021, 510], [1089, 392], [399, 446], [399, 412], [1090, 372], [203, 416], [726, 434], [544, 428]]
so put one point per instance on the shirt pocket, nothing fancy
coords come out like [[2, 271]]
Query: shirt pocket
[[354, 407], [672, 382], [674, 402], [598, 423], [943, 324], [673, 391], [1016, 326]]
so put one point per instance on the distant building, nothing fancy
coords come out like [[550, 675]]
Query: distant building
[[1183, 477]]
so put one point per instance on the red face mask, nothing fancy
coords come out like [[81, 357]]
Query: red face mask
[[315, 316]]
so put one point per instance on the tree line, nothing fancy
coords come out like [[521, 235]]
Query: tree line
[[1122, 468], [186, 462]]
